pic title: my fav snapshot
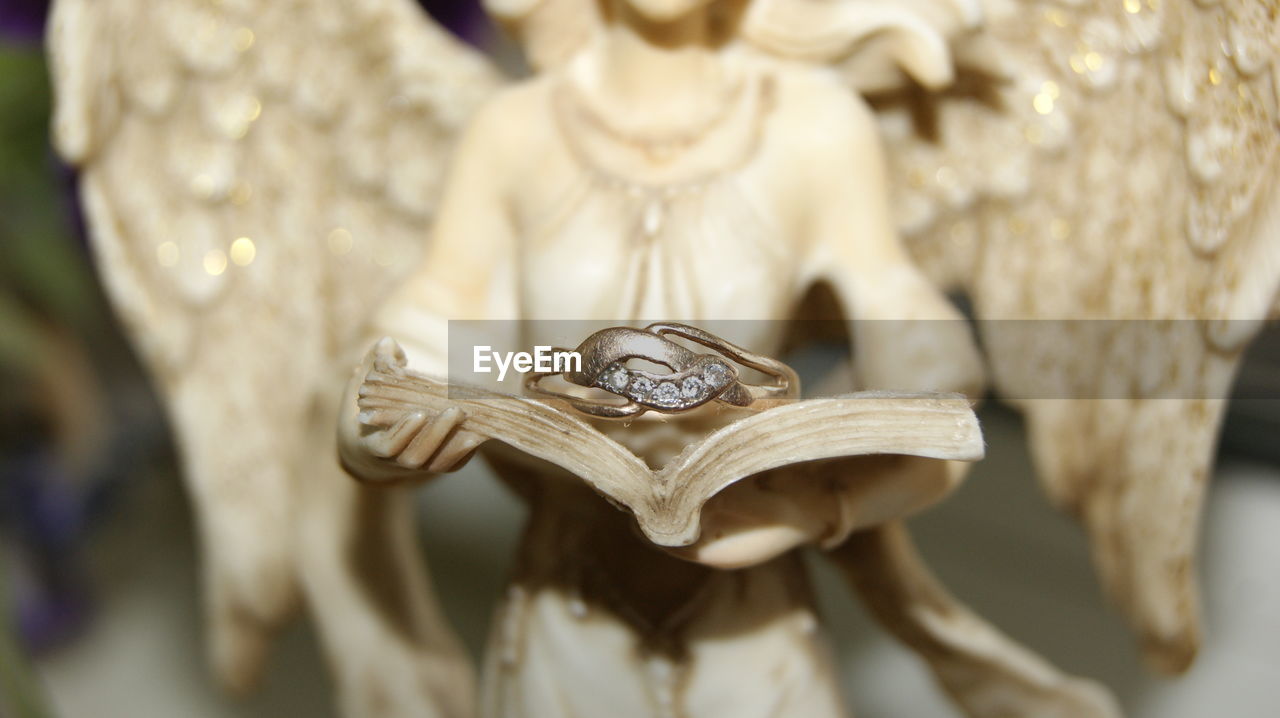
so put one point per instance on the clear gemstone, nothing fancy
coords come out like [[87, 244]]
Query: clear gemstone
[[717, 375], [693, 388], [640, 388], [615, 378], [667, 394]]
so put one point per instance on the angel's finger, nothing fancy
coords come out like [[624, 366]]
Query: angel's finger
[[379, 418], [456, 452], [390, 442], [388, 355], [427, 442], [368, 363]]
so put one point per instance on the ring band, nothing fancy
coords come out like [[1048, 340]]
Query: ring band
[[695, 378]]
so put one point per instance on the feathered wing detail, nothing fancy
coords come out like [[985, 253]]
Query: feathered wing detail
[[257, 175], [1113, 161]]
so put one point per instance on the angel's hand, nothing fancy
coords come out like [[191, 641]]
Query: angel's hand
[[417, 441], [380, 441], [760, 518]]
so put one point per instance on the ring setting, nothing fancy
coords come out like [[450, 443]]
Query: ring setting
[[679, 391], [695, 379]]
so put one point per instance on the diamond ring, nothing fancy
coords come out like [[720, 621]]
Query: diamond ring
[[694, 380]]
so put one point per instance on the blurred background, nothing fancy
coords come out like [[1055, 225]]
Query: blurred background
[[99, 607]]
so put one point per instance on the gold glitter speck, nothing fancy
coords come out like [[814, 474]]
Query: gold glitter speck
[[243, 251], [339, 242], [167, 254], [239, 114], [383, 256], [1215, 77], [215, 262], [244, 39], [202, 185], [1133, 7]]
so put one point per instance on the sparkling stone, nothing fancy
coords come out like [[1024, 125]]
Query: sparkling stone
[[717, 375], [640, 388], [667, 394], [693, 388], [615, 378]]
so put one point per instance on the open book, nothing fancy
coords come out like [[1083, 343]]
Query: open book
[[667, 502]]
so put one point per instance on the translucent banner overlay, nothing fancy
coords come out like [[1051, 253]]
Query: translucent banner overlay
[[1025, 359]]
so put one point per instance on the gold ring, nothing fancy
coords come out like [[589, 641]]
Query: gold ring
[[695, 378]]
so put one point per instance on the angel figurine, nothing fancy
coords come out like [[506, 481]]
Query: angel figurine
[[680, 174], [259, 177]]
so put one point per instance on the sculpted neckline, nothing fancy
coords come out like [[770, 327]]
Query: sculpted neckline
[[717, 144]]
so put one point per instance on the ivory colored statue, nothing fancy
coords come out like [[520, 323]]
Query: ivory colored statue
[[677, 175], [259, 176]]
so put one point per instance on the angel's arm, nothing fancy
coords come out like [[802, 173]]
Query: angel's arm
[[907, 336], [979, 667], [465, 274]]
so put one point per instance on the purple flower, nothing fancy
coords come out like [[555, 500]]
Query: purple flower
[[22, 20], [465, 18]]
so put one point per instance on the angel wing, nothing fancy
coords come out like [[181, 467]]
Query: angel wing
[[1109, 161], [257, 175]]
